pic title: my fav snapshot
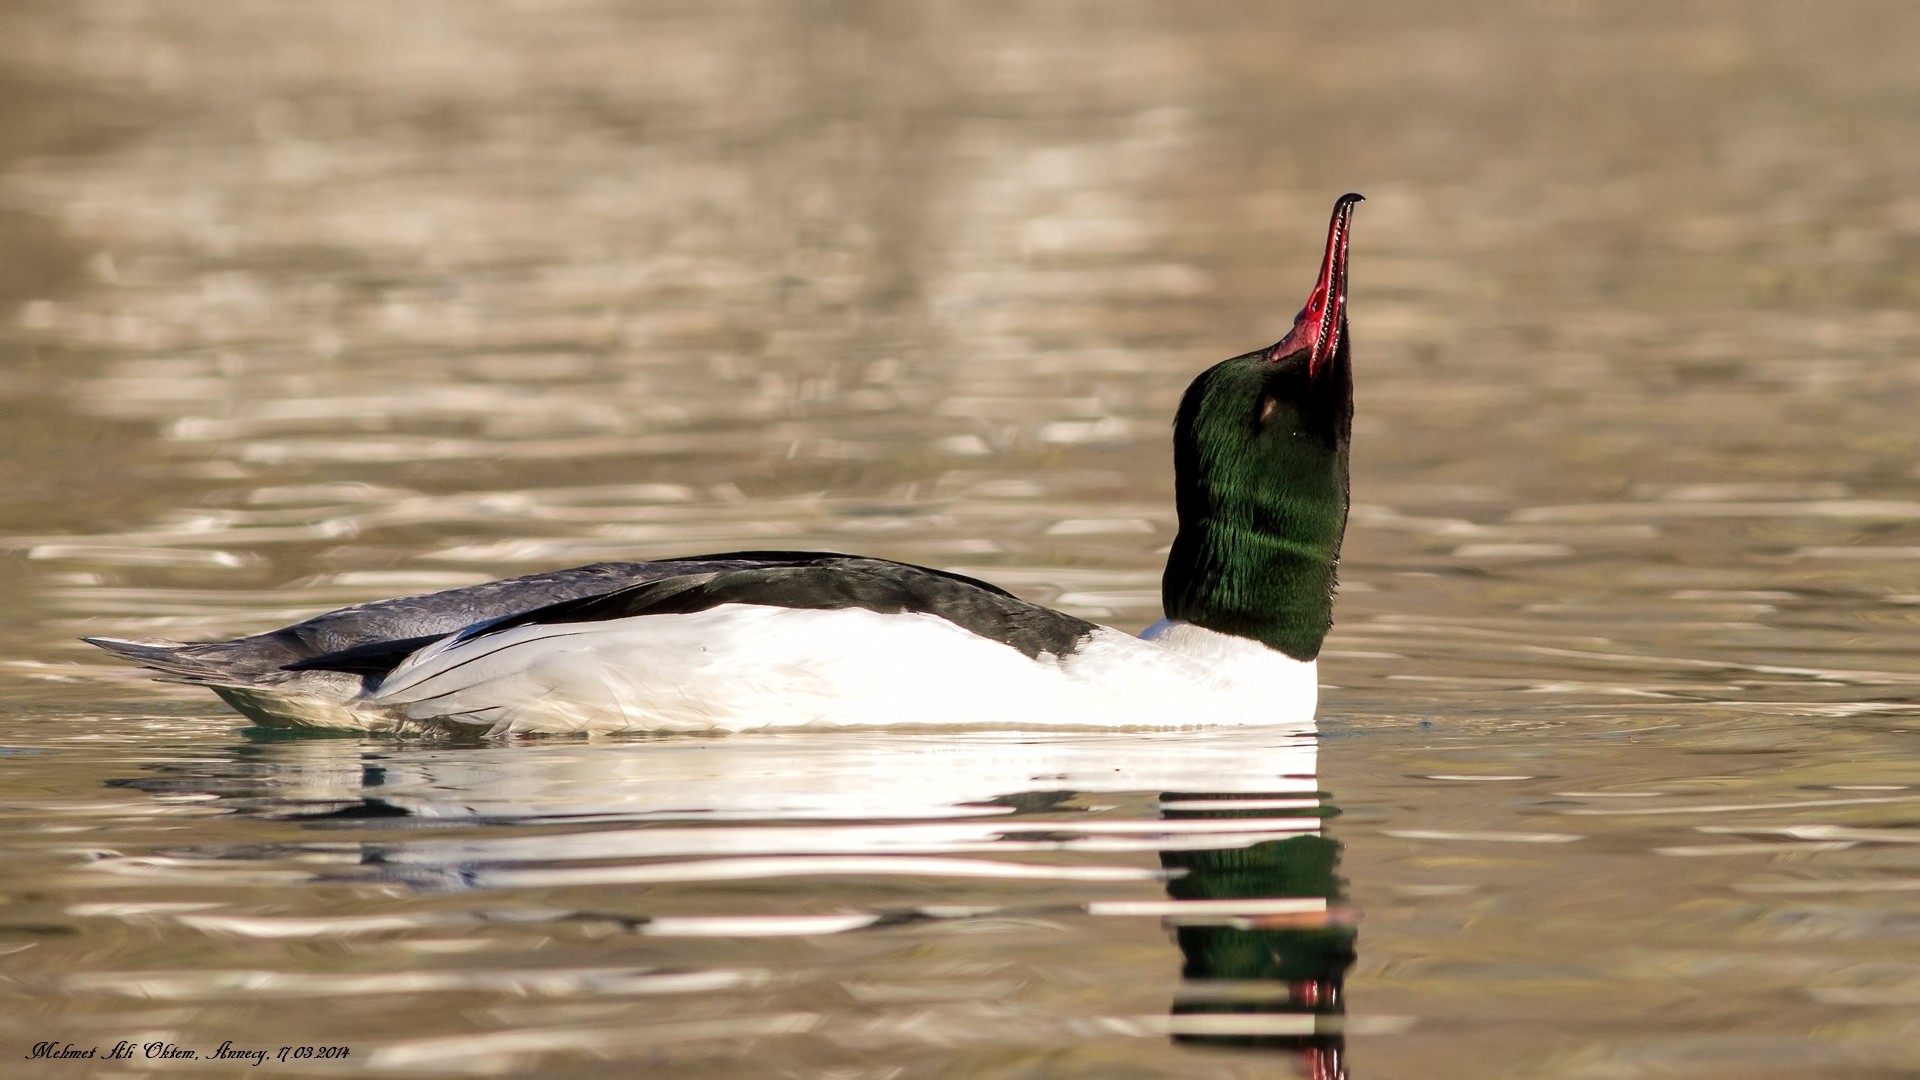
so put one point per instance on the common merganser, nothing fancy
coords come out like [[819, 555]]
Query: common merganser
[[775, 639]]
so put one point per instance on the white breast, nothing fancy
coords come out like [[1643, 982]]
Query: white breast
[[742, 666]]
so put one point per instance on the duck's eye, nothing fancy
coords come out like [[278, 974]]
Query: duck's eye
[[1268, 405]]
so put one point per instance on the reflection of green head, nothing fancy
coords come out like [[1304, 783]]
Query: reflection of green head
[[1297, 866], [1300, 866], [1306, 965]]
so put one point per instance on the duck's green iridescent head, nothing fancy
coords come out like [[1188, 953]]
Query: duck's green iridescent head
[[1260, 464]]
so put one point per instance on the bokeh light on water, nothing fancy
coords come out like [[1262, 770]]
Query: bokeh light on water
[[306, 305]]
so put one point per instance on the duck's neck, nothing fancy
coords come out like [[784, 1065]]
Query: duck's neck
[[1260, 530]]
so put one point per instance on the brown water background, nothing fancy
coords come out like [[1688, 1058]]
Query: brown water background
[[306, 304]]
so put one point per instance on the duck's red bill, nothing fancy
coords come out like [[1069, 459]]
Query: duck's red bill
[[1318, 327]]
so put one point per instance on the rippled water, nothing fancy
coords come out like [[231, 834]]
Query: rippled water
[[1616, 771]]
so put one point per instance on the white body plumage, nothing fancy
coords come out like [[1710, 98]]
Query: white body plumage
[[739, 667]]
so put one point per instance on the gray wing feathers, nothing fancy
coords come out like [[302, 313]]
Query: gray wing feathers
[[273, 659], [262, 660]]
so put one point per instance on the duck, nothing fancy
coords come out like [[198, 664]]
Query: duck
[[751, 640]]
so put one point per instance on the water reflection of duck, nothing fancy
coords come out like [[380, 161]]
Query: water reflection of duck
[[776, 639], [1033, 856]]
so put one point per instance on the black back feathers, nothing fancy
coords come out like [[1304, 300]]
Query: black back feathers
[[827, 582], [791, 579]]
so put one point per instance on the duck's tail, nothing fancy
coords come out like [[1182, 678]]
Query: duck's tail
[[176, 661], [269, 697]]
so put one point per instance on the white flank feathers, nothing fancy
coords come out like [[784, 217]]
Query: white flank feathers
[[746, 666]]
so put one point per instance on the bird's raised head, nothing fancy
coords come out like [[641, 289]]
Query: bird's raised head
[[1260, 463]]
